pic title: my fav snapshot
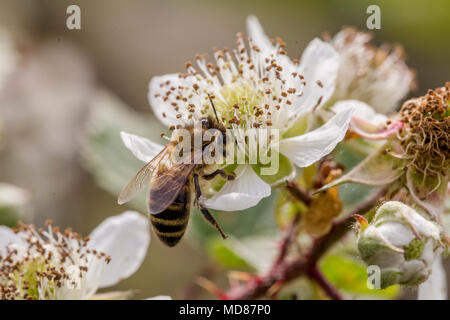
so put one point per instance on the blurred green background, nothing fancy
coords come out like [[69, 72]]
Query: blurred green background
[[48, 105]]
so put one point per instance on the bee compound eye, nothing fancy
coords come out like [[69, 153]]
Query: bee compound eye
[[205, 123]]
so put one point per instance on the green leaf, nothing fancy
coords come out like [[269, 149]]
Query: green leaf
[[352, 194], [285, 171], [349, 275], [220, 252], [351, 152], [427, 191], [298, 128], [378, 169], [9, 216], [253, 221], [286, 209], [255, 252]]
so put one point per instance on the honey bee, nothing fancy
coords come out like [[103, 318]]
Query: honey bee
[[174, 188]]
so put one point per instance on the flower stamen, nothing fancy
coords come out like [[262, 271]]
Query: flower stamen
[[47, 264]]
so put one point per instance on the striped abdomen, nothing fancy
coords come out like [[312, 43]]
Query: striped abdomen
[[171, 223]]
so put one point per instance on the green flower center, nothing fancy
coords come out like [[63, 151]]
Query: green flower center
[[27, 277], [44, 264], [240, 104]]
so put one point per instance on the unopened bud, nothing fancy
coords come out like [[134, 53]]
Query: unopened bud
[[401, 242]]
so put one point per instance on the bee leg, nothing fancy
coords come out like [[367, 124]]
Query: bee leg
[[208, 217], [222, 173], [205, 212]]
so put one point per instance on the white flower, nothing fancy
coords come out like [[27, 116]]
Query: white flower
[[160, 298], [415, 155], [252, 87], [435, 288], [11, 195], [402, 243], [374, 75], [371, 80], [49, 264]]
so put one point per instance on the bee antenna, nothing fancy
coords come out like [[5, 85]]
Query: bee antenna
[[214, 108]]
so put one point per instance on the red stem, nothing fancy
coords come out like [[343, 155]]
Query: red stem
[[315, 274], [299, 193], [288, 237], [286, 271]]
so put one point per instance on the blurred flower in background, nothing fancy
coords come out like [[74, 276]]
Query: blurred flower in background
[[15, 205], [55, 265], [14, 201], [43, 111], [377, 76]]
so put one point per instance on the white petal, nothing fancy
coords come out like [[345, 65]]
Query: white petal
[[142, 148], [242, 193], [306, 149], [160, 298], [163, 110], [366, 122], [260, 39], [362, 111], [398, 234], [10, 195], [114, 295], [256, 32], [435, 288], [125, 238], [318, 64], [7, 236]]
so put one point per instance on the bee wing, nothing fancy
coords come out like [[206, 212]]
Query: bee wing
[[141, 178], [166, 185]]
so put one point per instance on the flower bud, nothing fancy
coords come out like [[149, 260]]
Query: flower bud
[[401, 242]]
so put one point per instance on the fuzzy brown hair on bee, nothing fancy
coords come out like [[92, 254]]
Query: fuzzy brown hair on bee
[[175, 187]]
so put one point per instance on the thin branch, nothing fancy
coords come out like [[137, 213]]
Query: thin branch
[[288, 271], [315, 274], [299, 193], [286, 241]]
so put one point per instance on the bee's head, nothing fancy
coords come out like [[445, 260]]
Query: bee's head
[[206, 123]]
